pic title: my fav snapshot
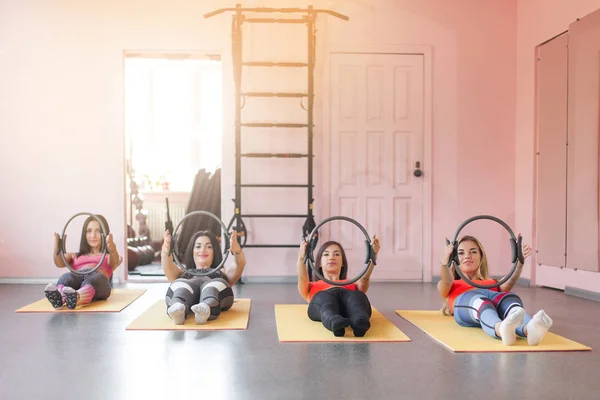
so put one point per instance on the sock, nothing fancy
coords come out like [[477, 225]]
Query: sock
[[201, 312], [71, 297], [86, 294], [338, 325], [213, 304], [53, 296], [177, 313], [510, 323], [537, 328], [360, 326]]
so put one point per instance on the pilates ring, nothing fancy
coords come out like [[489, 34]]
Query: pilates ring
[[199, 272], [62, 241], [311, 240], [517, 252]]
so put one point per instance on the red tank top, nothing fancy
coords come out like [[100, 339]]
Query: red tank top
[[315, 287], [459, 287]]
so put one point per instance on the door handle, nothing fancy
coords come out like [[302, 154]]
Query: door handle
[[417, 172]]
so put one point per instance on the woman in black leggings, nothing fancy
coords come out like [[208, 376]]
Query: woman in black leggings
[[336, 306]]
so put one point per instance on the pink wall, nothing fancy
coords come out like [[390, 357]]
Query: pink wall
[[474, 46], [61, 74], [538, 21], [61, 113]]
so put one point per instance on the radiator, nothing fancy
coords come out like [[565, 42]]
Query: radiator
[[155, 208]]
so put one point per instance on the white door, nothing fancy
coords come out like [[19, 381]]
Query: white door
[[376, 110]]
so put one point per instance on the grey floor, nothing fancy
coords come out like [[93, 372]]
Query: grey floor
[[91, 356]]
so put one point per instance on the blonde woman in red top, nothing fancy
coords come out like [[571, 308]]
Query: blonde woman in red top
[[336, 306], [498, 311]]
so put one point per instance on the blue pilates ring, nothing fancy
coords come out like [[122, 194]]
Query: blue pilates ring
[[62, 244], [200, 272], [312, 241], [515, 243]]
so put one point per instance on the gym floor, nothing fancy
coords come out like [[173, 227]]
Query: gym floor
[[92, 356]]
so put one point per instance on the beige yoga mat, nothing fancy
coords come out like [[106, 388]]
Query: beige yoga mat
[[118, 300], [156, 319], [460, 339], [293, 325]]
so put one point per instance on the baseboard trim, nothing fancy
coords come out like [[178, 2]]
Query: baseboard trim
[[585, 294], [41, 281], [524, 282], [270, 279], [294, 279], [27, 281]]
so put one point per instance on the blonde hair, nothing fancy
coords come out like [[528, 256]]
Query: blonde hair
[[482, 270]]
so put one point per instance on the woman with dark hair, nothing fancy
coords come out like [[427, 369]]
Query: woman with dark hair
[[205, 296], [72, 289], [336, 306]]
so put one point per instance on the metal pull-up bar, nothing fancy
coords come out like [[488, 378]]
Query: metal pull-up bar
[[277, 10]]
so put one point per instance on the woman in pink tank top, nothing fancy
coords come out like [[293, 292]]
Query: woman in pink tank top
[[75, 290]]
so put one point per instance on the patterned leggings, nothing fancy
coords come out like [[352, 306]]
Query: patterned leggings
[[215, 292], [99, 282], [485, 308]]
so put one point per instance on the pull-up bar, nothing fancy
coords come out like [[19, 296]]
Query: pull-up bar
[[277, 10]]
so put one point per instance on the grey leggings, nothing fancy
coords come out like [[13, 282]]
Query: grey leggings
[[215, 292], [98, 281]]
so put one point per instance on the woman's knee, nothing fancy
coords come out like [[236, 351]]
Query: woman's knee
[[103, 294], [227, 303], [186, 285], [70, 279], [507, 301], [314, 310], [100, 283]]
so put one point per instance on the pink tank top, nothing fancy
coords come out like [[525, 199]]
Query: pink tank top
[[91, 261]]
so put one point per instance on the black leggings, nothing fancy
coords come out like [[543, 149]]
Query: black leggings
[[338, 301]]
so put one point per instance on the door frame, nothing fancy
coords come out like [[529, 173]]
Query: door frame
[[197, 54], [324, 145]]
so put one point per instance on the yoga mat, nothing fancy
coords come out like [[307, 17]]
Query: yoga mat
[[156, 319], [460, 339], [118, 300], [293, 325]]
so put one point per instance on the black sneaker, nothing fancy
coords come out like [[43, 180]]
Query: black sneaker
[[54, 297], [71, 299]]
